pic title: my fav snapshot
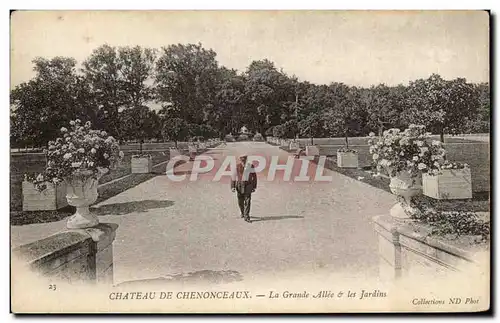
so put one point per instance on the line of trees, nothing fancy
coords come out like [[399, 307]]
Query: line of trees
[[115, 88]]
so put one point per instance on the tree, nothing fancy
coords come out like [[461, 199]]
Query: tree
[[138, 123], [137, 67], [186, 79], [118, 79], [383, 106], [174, 129], [442, 106], [269, 93], [102, 71], [312, 126], [229, 112], [346, 116], [42, 105]]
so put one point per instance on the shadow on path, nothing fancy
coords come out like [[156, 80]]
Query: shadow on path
[[202, 276], [273, 218], [129, 207]]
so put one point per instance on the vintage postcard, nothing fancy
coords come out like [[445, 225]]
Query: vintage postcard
[[250, 161]]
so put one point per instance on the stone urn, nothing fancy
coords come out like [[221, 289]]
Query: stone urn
[[81, 192], [405, 186]]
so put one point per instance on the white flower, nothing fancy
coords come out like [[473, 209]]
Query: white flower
[[103, 133], [72, 123], [436, 164], [39, 178], [76, 164], [81, 150], [371, 134], [415, 158], [436, 143], [77, 121], [67, 156], [419, 143], [422, 166], [88, 124], [375, 156], [64, 129], [68, 138], [93, 150], [52, 147], [91, 164], [106, 156], [121, 154], [402, 153]]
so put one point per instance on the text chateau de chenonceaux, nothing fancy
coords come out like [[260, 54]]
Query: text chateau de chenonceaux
[[250, 162]]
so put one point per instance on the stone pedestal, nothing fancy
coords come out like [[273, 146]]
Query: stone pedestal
[[81, 256], [312, 151], [407, 249]]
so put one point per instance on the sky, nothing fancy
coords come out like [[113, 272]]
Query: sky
[[353, 47]]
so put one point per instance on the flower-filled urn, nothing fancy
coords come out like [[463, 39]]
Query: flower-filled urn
[[80, 157], [404, 156]]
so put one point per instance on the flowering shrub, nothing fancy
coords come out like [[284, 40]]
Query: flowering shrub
[[229, 138], [80, 148], [347, 150], [410, 150]]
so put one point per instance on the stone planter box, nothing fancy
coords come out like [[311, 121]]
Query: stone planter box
[[407, 249], [450, 184], [52, 198], [312, 151], [141, 165], [347, 159], [174, 153], [294, 146]]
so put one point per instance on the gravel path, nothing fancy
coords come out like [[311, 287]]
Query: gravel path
[[168, 228]]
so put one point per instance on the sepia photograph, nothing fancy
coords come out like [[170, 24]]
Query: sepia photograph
[[250, 161]]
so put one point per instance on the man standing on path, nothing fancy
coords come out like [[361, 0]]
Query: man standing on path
[[244, 182]]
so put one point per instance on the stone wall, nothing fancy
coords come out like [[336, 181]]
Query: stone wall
[[84, 255], [407, 249]]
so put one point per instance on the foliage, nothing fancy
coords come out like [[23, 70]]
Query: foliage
[[212, 100], [409, 150], [79, 149], [456, 222], [42, 105], [174, 129], [187, 77], [442, 106]]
